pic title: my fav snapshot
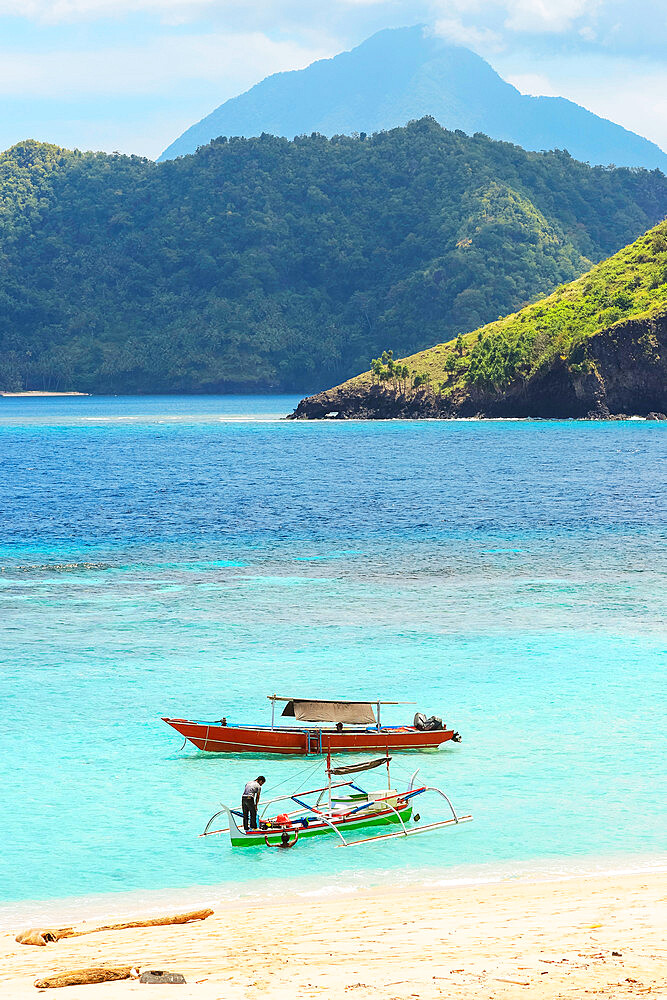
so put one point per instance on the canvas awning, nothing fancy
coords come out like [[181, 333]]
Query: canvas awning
[[366, 765], [359, 712]]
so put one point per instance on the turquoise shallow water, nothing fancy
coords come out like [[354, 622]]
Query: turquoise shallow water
[[188, 556]]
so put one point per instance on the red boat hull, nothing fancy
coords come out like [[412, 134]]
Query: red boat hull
[[214, 738]]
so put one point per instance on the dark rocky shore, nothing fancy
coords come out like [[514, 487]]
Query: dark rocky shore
[[627, 376]]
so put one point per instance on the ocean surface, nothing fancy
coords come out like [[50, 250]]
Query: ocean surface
[[189, 556]]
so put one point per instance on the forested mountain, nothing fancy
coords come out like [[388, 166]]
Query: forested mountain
[[403, 74], [595, 346], [268, 264]]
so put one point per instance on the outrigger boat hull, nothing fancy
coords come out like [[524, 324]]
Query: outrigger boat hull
[[272, 837], [216, 738], [336, 811]]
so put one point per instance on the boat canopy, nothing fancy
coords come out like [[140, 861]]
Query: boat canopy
[[366, 765], [330, 711]]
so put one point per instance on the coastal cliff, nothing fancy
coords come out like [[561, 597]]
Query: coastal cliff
[[625, 374]]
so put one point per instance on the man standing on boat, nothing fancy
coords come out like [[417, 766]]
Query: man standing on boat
[[250, 801]]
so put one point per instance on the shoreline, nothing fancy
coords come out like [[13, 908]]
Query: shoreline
[[293, 417], [602, 934], [140, 902], [424, 417], [28, 393]]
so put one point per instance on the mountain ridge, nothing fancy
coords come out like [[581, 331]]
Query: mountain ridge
[[403, 74], [264, 265]]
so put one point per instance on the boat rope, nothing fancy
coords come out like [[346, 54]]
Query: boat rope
[[307, 771], [397, 769], [182, 745]]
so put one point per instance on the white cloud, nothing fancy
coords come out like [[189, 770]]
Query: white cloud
[[622, 26], [454, 30], [535, 84], [235, 61], [56, 11], [546, 16], [518, 16]]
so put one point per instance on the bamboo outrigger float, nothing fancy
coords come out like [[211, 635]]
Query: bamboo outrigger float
[[339, 807], [349, 726]]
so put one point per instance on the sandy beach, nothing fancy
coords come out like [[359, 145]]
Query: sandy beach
[[602, 936]]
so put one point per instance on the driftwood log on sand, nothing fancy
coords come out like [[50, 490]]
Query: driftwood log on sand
[[83, 977], [42, 936]]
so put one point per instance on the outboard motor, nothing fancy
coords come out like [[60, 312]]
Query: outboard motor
[[427, 725]]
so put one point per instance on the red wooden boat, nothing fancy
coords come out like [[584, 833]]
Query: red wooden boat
[[350, 726]]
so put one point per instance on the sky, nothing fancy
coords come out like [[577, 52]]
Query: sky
[[132, 75]]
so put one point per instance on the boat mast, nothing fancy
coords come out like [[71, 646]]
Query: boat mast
[[379, 723], [329, 771], [273, 710]]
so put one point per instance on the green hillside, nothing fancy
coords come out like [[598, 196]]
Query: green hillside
[[631, 285], [267, 264]]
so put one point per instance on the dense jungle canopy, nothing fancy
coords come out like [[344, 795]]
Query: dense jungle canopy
[[268, 264]]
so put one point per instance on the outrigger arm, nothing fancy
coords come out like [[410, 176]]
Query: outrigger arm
[[409, 833], [422, 829]]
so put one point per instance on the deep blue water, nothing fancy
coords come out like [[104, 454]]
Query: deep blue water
[[190, 555]]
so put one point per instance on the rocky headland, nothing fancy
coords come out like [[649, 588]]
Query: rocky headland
[[594, 348], [625, 375]]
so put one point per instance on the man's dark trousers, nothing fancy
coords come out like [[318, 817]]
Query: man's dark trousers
[[249, 807]]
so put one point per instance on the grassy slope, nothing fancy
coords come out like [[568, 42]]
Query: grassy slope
[[630, 285]]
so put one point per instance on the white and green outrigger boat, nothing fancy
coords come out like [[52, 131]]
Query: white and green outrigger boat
[[338, 808]]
